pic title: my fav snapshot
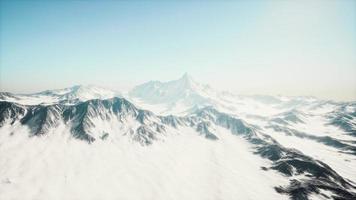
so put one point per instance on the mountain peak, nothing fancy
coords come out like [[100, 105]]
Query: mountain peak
[[173, 95], [186, 81], [186, 77], [78, 88]]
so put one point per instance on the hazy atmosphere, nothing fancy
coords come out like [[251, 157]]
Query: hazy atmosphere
[[248, 47], [178, 100]]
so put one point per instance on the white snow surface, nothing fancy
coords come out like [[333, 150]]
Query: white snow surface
[[185, 95], [184, 166], [181, 164], [71, 95]]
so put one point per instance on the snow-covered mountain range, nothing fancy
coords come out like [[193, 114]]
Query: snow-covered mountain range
[[71, 95], [175, 96], [95, 143]]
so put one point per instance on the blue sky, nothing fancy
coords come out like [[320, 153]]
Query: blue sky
[[250, 47]]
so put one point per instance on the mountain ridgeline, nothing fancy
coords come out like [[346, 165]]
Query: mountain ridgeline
[[81, 119], [84, 121], [309, 142]]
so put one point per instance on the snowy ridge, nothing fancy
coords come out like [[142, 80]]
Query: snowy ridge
[[69, 95], [269, 147], [185, 95], [89, 121]]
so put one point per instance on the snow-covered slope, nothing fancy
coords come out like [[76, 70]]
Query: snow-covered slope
[[85, 142], [176, 96], [70, 95], [184, 166], [210, 148], [185, 95]]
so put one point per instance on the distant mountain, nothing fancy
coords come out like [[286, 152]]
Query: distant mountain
[[185, 95], [69, 95], [174, 96], [278, 146], [178, 97]]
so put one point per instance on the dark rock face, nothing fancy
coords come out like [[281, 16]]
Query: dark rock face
[[235, 125], [78, 117], [289, 162], [326, 140], [344, 120], [299, 190], [172, 120], [11, 112], [41, 118], [203, 128], [144, 135], [6, 95], [318, 175]]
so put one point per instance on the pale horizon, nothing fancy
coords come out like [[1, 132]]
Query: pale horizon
[[127, 89], [114, 99], [269, 48]]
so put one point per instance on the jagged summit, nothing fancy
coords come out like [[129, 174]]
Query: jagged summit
[[187, 82], [186, 77], [181, 93], [184, 94]]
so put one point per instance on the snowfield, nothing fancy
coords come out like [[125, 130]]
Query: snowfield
[[184, 166], [174, 140]]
